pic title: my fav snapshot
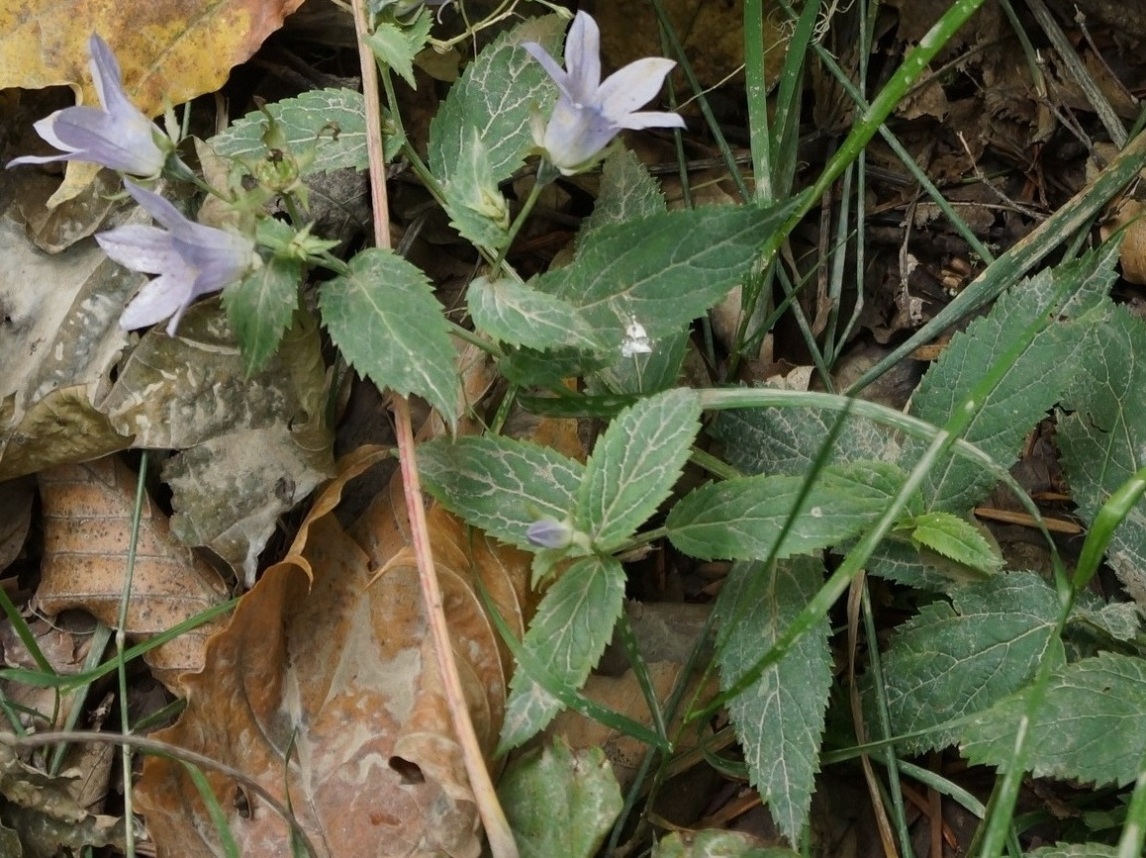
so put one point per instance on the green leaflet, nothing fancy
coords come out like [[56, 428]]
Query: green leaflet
[[742, 519], [500, 485], [635, 465]]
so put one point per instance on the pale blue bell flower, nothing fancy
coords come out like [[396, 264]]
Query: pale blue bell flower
[[547, 533], [589, 114], [116, 135], [191, 260]]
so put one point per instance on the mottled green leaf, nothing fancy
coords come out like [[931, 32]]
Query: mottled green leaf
[[1074, 850], [329, 122], [516, 314], [568, 634], [496, 96], [716, 843], [780, 717], [477, 209], [628, 191], [788, 440], [396, 46], [385, 319], [560, 802], [635, 464], [500, 485], [742, 519], [662, 271], [1091, 726], [954, 659]]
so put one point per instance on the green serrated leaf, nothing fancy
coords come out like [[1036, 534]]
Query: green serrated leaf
[[397, 46], [332, 122], [634, 466], [1091, 726], [1103, 442], [956, 539], [742, 519], [628, 191], [560, 802], [1074, 296], [955, 659], [788, 440], [570, 631], [384, 317], [496, 97], [260, 307], [513, 313], [779, 719], [663, 271], [500, 485]]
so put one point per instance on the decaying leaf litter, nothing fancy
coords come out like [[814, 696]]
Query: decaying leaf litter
[[319, 693]]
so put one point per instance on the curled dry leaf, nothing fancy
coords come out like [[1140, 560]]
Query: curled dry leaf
[[325, 685], [87, 531]]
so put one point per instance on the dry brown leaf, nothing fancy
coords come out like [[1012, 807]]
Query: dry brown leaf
[[173, 49], [87, 531], [330, 686]]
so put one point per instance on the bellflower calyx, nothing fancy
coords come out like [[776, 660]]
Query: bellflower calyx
[[116, 135], [190, 259], [589, 113]]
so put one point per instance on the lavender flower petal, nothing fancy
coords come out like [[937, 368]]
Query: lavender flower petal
[[588, 113], [191, 259], [117, 135]]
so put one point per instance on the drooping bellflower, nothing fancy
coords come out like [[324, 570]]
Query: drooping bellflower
[[589, 113], [115, 135], [191, 260]]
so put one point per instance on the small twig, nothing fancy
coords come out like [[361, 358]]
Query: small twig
[[497, 829], [162, 749], [1007, 201]]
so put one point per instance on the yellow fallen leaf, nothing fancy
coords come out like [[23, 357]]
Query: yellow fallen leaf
[[173, 49]]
